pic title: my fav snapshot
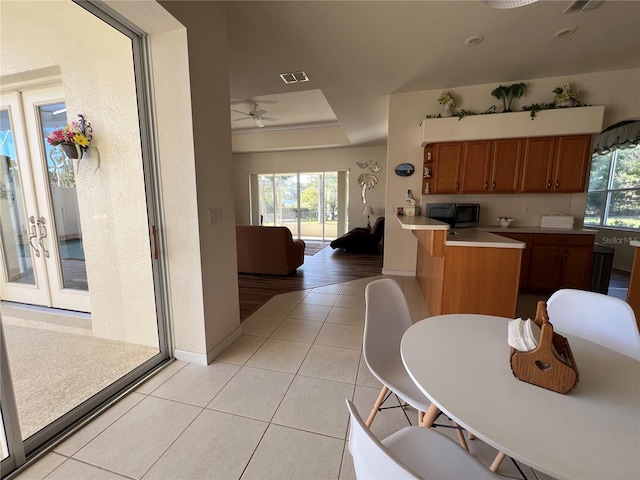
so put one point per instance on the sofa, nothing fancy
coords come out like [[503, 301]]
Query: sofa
[[268, 250], [361, 240]]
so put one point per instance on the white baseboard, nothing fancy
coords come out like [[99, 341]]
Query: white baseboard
[[400, 273], [197, 358], [201, 359], [222, 346]]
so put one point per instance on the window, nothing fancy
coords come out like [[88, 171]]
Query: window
[[613, 198]]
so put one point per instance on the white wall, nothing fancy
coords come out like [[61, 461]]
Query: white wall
[[210, 145], [98, 82], [191, 89], [617, 91], [314, 161]]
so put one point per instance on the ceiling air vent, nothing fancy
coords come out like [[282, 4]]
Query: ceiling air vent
[[294, 77], [583, 5]]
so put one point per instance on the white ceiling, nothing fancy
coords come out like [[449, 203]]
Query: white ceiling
[[356, 53]]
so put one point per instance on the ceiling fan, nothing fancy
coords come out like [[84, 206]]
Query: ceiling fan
[[255, 114]]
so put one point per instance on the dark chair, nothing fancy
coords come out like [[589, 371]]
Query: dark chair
[[361, 240]]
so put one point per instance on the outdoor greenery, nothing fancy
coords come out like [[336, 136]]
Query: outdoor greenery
[[279, 193], [613, 197]]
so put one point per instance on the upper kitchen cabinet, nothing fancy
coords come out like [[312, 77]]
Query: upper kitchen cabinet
[[573, 159], [476, 167], [556, 164], [539, 154], [446, 167], [491, 166], [506, 165]]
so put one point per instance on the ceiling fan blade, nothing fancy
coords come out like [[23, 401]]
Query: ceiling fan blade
[[259, 122], [270, 119], [238, 119], [258, 113], [238, 111]]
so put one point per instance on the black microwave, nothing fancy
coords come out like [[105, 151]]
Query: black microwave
[[455, 214]]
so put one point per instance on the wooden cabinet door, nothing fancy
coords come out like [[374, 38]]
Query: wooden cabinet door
[[538, 164], [446, 167], [576, 268], [506, 165], [476, 159], [571, 164], [545, 267]]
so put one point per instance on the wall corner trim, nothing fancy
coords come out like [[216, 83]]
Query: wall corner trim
[[223, 345]]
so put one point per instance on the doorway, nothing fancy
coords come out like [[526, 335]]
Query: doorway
[[42, 258]]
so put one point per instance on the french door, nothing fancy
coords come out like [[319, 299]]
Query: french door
[[311, 204], [42, 257]]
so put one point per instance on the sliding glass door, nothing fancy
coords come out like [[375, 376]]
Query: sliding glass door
[[81, 289], [311, 204]]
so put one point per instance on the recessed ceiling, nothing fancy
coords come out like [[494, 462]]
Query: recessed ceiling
[[357, 53], [290, 109]]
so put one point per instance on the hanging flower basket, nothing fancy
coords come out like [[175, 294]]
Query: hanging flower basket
[[71, 151], [73, 138]]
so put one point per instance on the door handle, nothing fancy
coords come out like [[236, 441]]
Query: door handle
[[33, 235], [155, 241], [43, 234]]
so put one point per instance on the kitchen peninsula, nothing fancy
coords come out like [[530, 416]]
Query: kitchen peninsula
[[465, 270]]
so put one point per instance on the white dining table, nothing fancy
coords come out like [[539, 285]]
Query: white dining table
[[461, 363]]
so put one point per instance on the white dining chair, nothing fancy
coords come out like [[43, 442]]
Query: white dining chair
[[598, 318], [410, 453], [387, 317]]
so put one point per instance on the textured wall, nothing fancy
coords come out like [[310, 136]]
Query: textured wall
[[97, 77]]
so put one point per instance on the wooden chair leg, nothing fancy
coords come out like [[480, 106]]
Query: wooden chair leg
[[430, 416], [497, 461], [461, 439], [379, 401], [471, 436], [420, 417]]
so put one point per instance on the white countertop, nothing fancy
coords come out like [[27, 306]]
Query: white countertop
[[635, 243], [474, 237], [420, 222], [459, 237]]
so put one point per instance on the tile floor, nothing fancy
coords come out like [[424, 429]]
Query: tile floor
[[270, 407]]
